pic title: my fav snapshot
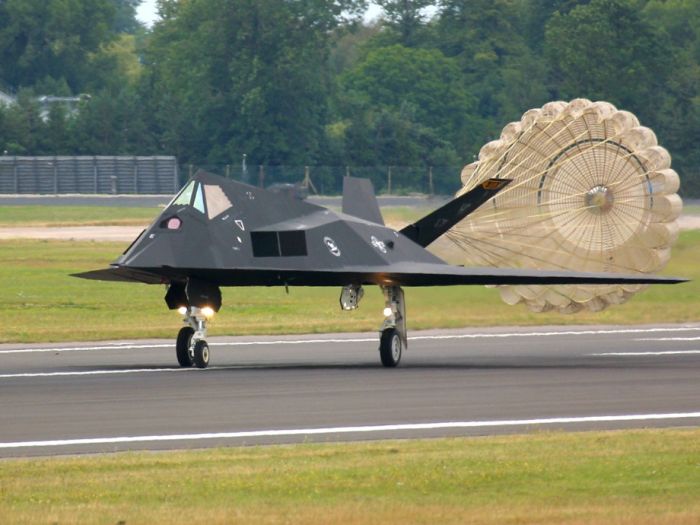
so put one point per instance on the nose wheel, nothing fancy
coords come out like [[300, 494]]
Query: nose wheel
[[191, 347], [200, 353], [182, 346]]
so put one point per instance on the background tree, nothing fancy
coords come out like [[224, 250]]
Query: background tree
[[537, 13], [23, 130], [677, 119], [500, 70], [406, 18], [243, 76], [420, 84], [307, 82], [124, 20], [605, 50], [54, 39]]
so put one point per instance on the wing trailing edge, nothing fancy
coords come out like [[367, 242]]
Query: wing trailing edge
[[435, 224]]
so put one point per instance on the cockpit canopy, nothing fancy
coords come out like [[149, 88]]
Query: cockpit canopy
[[208, 199]]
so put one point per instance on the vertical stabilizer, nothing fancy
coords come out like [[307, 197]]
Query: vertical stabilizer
[[430, 227], [359, 200]]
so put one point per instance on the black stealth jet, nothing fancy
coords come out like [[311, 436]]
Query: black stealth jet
[[217, 232]]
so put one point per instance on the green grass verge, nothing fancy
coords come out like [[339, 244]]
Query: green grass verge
[[630, 477], [41, 302], [54, 216], [396, 216], [13, 216]]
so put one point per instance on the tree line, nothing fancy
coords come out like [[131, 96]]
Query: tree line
[[309, 82]]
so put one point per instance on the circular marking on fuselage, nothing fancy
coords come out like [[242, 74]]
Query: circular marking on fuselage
[[379, 245], [332, 246]]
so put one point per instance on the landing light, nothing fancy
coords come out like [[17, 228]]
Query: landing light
[[182, 310], [387, 312], [208, 312]]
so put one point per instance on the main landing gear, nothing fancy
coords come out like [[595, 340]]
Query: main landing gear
[[393, 337], [191, 347], [392, 340]]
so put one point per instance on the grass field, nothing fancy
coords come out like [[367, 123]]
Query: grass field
[[56, 216], [633, 477], [43, 303], [135, 216], [691, 209], [75, 216]]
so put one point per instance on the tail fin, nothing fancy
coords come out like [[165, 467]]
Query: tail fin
[[359, 200], [433, 225]]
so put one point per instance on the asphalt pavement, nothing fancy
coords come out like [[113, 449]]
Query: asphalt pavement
[[129, 395]]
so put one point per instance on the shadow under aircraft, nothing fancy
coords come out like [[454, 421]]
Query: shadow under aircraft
[[217, 233]]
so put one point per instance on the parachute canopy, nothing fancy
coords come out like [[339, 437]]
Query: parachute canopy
[[592, 191]]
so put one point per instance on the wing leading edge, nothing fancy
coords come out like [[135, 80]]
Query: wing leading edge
[[401, 274]]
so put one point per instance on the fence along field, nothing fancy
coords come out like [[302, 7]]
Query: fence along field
[[112, 175], [88, 175]]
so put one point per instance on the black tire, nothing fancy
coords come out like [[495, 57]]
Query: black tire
[[182, 346], [390, 347], [201, 354]]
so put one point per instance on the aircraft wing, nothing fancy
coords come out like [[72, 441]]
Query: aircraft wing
[[400, 274], [440, 275], [121, 274]]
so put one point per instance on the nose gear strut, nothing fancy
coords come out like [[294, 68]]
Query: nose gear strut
[[191, 346]]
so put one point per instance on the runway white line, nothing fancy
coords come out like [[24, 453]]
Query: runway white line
[[349, 430], [83, 348], [120, 346], [24, 375], [637, 354], [555, 333], [98, 372], [669, 339]]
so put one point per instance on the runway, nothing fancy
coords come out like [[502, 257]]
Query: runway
[[130, 395]]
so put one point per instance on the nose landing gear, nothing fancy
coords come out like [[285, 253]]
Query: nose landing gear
[[191, 347]]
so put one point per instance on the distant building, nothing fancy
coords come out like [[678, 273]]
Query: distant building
[[69, 103]]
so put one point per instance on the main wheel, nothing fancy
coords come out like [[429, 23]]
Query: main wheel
[[182, 346], [201, 354], [390, 347]]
